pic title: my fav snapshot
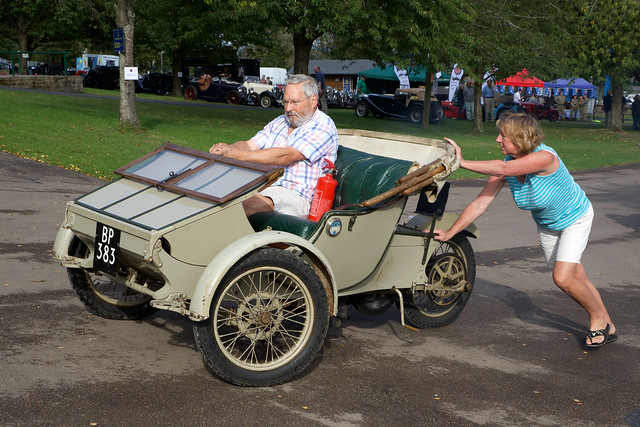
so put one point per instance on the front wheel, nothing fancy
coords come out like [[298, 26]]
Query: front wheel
[[266, 101], [451, 263], [552, 116], [415, 114], [268, 320], [103, 294], [362, 109]]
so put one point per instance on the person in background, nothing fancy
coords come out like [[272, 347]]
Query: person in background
[[322, 89], [635, 112], [460, 100], [361, 86], [517, 96], [488, 95], [299, 140], [540, 183], [469, 95]]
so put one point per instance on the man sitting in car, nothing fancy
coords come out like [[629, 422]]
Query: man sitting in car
[[299, 140]]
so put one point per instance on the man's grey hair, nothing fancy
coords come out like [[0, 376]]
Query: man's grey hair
[[309, 84]]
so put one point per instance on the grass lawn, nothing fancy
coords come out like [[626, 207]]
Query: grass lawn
[[81, 133]]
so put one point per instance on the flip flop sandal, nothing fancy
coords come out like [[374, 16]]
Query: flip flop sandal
[[600, 332]]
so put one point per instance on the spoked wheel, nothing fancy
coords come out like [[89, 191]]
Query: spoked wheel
[[266, 101], [233, 97], [415, 114], [362, 109], [451, 263], [552, 116], [103, 294], [191, 93], [268, 320]]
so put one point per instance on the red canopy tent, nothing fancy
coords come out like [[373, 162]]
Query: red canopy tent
[[522, 79]]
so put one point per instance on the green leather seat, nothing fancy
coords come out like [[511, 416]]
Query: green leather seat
[[360, 177]]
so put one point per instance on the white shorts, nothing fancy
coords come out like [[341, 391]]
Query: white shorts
[[287, 201], [566, 245]]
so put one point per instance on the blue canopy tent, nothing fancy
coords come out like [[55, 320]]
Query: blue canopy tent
[[570, 86]]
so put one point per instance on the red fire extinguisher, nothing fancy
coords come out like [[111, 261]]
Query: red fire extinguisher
[[325, 191]]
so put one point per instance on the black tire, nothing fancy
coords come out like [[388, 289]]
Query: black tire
[[538, 111], [191, 93], [362, 109], [266, 101], [233, 97], [102, 294], [371, 304], [553, 116], [415, 114], [268, 320], [452, 262], [437, 112]]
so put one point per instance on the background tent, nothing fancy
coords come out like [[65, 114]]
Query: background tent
[[381, 80], [522, 79], [571, 84]]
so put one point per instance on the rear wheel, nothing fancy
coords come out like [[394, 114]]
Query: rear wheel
[[451, 263], [538, 111], [191, 93], [233, 97], [553, 116], [103, 294], [362, 109], [268, 320], [415, 114]]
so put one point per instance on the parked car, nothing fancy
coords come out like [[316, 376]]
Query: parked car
[[103, 77], [541, 111], [212, 90], [405, 104], [253, 92], [158, 83]]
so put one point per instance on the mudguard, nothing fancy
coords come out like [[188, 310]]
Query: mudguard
[[218, 267]]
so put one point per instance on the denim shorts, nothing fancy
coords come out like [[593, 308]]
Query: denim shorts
[[566, 245]]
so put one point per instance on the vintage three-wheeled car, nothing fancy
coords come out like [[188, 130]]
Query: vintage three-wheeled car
[[171, 234]]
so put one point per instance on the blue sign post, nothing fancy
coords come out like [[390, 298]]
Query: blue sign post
[[118, 40]]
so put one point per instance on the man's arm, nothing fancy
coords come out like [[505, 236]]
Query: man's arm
[[248, 151]]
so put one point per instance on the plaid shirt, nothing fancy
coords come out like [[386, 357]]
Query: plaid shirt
[[316, 140]]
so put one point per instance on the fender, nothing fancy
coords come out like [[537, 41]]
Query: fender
[[444, 222], [447, 220], [218, 267]]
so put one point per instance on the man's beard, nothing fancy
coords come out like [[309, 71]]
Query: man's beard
[[294, 119]]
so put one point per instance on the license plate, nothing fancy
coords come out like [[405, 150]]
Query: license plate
[[107, 248]]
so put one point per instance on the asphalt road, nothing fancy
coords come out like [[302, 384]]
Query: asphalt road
[[514, 356]]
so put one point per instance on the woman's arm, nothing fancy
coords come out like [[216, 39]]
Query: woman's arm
[[473, 211], [541, 162]]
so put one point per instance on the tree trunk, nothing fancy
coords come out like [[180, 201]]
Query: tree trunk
[[477, 108], [428, 89], [176, 60], [125, 20], [616, 106], [22, 29], [301, 52]]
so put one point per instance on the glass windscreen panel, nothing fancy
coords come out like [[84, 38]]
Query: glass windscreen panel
[[196, 173]]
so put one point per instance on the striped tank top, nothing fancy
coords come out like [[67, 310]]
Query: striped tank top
[[556, 201]]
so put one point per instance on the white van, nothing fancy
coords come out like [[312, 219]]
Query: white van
[[278, 75]]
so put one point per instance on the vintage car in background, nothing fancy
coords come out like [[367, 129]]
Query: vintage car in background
[[404, 104], [103, 77], [541, 111], [212, 89], [171, 234], [157, 83], [252, 92]]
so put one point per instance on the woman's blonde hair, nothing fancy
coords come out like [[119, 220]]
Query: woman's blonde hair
[[522, 129]]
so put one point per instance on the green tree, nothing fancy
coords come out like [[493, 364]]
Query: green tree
[[607, 42], [504, 37]]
